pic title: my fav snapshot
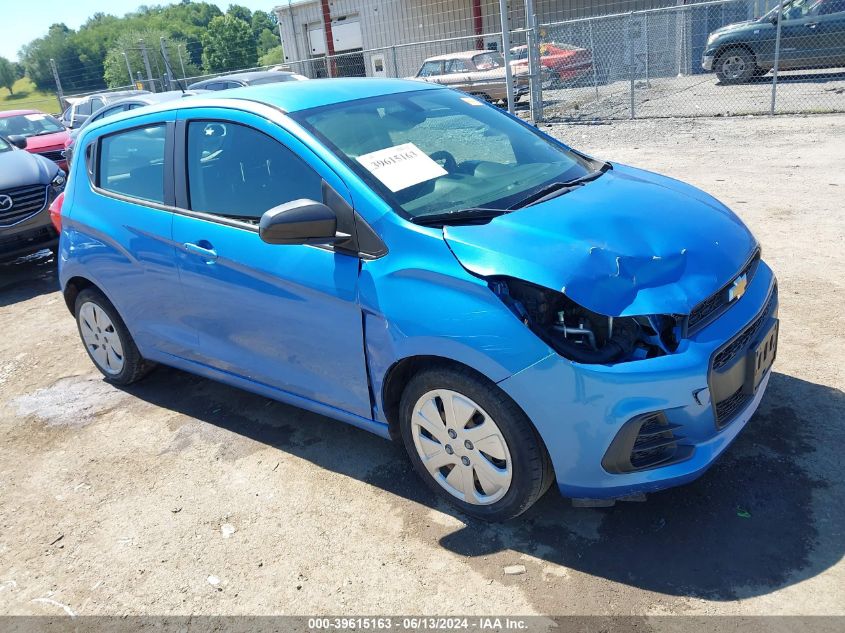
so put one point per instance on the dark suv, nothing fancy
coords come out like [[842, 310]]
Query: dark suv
[[812, 36], [28, 184]]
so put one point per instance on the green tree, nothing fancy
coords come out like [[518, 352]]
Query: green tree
[[263, 21], [272, 57], [228, 44], [85, 58], [115, 72], [240, 12], [7, 74], [266, 40]]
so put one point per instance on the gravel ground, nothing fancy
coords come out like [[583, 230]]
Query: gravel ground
[[179, 495], [699, 95]]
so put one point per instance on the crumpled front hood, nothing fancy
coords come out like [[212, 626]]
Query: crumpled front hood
[[20, 169], [629, 243]]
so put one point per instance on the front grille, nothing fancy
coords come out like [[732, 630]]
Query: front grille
[[727, 354], [718, 302], [26, 202], [730, 407], [55, 155]]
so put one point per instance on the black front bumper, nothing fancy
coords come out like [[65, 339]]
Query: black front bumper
[[27, 237]]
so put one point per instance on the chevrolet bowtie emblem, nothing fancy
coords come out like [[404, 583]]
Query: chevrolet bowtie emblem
[[738, 288]]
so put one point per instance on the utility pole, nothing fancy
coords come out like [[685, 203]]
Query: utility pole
[[506, 45], [331, 67], [59, 92], [777, 59], [168, 68], [128, 67], [147, 65], [181, 63], [535, 82]]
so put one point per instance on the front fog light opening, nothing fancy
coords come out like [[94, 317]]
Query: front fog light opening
[[644, 442]]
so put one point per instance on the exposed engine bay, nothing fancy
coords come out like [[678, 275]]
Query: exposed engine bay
[[584, 336]]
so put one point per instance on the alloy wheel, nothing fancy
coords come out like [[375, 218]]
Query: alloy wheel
[[461, 447], [101, 338], [733, 67]]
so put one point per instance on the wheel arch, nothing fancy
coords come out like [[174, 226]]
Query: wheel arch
[[724, 48], [73, 287], [401, 372]]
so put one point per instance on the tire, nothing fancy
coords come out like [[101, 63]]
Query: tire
[[107, 340], [510, 459], [735, 65]]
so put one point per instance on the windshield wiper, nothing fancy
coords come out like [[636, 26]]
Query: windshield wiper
[[45, 132], [468, 216], [555, 189]]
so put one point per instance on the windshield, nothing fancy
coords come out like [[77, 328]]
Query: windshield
[[796, 9], [34, 124], [437, 151], [4, 146]]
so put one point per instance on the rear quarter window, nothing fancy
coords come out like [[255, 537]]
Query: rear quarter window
[[131, 163]]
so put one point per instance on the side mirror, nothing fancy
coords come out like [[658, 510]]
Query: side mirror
[[300, 222], [17, 140]]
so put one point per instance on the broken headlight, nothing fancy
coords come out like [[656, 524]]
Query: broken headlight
[[582, 335]]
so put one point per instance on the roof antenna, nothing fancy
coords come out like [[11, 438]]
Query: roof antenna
[[168, 67]]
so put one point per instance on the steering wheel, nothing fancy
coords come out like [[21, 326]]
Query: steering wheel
[[449, 162]]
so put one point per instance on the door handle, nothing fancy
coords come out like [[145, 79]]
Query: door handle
[[203, 249], [811, 25]]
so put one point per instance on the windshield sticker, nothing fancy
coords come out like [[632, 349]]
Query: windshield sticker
[[34, 117], [471, 101], [401, 166]]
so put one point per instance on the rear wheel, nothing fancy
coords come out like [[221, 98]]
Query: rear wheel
[[472, 444], [735, 65], [106, 339]]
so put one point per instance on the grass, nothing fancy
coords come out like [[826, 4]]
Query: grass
[[27, 97]]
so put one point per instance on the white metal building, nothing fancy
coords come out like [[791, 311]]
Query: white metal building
[[392, 37]]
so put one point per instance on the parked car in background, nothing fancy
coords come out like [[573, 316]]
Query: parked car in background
[[28, 185], [122, 105], [239, 80], [479, 73], [419, 264], [566, 63], [44, 134], [83, 107], [812, 36]]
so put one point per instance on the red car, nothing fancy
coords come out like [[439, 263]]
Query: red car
[[44, 134], [566, 62]]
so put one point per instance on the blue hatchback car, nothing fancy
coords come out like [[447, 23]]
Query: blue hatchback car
[[417, 263]]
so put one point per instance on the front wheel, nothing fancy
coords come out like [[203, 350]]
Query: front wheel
[[735, 65], [472, 444]]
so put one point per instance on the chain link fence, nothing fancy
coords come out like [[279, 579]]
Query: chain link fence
[[561, 60], [706, 59]]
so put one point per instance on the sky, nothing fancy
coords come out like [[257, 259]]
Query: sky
[[24, 21]]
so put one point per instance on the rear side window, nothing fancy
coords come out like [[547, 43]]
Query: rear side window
[[131, 163], [238, 172]]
